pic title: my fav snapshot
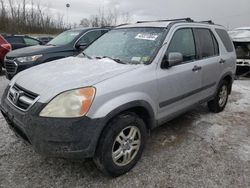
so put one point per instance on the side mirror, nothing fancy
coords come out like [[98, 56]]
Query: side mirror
[[81, 45], [173, 59]]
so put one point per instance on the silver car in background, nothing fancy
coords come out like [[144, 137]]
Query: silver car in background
[[241, 40]]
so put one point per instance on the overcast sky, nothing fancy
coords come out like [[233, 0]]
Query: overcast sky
[[230, 13]]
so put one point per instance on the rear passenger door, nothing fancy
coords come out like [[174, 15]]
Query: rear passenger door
[[179, 86], [208, 52]]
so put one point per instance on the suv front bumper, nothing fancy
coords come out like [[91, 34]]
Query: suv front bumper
[[74, 138], [243, 66]]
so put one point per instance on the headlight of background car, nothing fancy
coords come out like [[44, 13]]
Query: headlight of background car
[[29, 58], [74, 103]]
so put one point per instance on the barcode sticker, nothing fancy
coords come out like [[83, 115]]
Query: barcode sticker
[[146, 36]]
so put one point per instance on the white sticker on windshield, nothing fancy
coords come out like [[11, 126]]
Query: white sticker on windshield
[[147, 36], [138, 59]]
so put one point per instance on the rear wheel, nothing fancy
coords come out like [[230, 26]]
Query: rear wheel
[[121, 145], [219, 103]]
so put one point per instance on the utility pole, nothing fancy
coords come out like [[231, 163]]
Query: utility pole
[[67, 14]]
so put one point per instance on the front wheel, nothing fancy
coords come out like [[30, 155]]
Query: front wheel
[[121, 145], [219, 103]]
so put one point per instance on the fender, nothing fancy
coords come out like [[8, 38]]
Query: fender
[[134, 104]]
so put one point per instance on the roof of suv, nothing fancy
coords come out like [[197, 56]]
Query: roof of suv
[[166, 23], [147, 24]]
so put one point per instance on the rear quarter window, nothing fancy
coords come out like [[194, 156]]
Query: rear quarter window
[[225, 39]]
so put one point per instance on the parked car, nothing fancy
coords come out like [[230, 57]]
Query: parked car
[[45, 40], [21, 41], [5, 47], [68, 43], [241, 40], [101, 104]]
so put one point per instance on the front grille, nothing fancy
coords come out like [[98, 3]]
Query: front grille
[[22, 98], [243, 62], [10, 65]]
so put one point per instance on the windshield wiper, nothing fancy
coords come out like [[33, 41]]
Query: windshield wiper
[[50, 44], [86, 55], [114, 59]]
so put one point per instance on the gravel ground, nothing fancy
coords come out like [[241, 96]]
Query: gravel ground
[[198, 149]]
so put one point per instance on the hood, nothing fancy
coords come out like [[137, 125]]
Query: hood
[[240, 35], [34, 50], [50, 79]]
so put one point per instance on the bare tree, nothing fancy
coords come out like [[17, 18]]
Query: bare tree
[[85, 22], [17, 17], [109, 18]]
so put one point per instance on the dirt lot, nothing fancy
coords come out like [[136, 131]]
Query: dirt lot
[[198, 149]]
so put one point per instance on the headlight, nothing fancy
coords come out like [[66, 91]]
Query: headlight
[[74, 103], [28, 58]]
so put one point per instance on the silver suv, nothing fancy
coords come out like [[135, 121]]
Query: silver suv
[[102, 103]]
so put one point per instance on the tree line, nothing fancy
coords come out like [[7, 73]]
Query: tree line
[[25, 16], [28, 17], [111, 17]]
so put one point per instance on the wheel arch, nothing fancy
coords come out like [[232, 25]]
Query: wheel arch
[[229, 78], [139, 107]]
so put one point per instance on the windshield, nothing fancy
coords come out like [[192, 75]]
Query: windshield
[[129, 45], [64, 38], [242, 50]]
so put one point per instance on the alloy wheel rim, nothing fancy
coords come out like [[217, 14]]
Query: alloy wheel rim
[[126, 146], [223, 96]]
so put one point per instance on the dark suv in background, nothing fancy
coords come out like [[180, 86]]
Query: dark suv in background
[[68, 43], [21, 41]]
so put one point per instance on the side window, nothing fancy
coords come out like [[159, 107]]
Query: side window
[[91, 36], [225, 39], [15, 40], [183, 42], [208, 44], [30, 41]]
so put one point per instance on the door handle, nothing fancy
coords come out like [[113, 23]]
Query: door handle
[[222, 61], [196, 68]]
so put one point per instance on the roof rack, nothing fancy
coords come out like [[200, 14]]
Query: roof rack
[[168, 20], [121, 25], [207, 21], [107, 26]]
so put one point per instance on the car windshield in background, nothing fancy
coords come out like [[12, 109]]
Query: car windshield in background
[[129, 45], [64, 38], [242, 50]]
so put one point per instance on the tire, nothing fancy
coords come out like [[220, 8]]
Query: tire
[[219, 103], [109, 146], [1, 69]]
